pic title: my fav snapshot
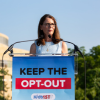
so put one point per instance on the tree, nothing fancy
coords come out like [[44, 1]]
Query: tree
[[5, 72], [93, 75]]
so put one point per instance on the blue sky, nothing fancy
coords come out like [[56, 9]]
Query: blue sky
[[78, 20]]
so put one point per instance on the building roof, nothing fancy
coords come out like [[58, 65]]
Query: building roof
[[3, 35]]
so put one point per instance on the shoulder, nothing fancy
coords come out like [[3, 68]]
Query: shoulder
[[33, 48], [64, 47], [64, 44], [33, 45]]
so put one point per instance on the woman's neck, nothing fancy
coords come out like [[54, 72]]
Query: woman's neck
[[47, 39]]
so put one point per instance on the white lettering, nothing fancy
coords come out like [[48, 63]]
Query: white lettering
[[45, 83], [22, 83], [31, 82], [62, 83], [54, 84], [38, 83]]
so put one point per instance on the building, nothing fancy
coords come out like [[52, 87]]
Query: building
[[7, 63]]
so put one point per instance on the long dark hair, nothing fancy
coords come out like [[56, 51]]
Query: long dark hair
[[56, 34]]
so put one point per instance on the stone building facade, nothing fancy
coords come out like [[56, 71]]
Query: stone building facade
[[7, 63]]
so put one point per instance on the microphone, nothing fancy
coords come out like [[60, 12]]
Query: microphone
[[11, 46], [75, 46]]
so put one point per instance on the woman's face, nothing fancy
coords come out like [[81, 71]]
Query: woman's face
[[48, 27]]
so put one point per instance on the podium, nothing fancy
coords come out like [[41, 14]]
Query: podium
[[44, 77]]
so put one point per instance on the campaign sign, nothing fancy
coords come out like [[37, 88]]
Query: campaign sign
[[43, 78]]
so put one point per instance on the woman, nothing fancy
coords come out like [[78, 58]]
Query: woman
[[44, 44]]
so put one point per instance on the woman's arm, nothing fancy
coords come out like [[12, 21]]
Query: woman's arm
[[33, 49], [64, 48]]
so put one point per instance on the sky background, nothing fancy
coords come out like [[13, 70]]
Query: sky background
[[78, 20]]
